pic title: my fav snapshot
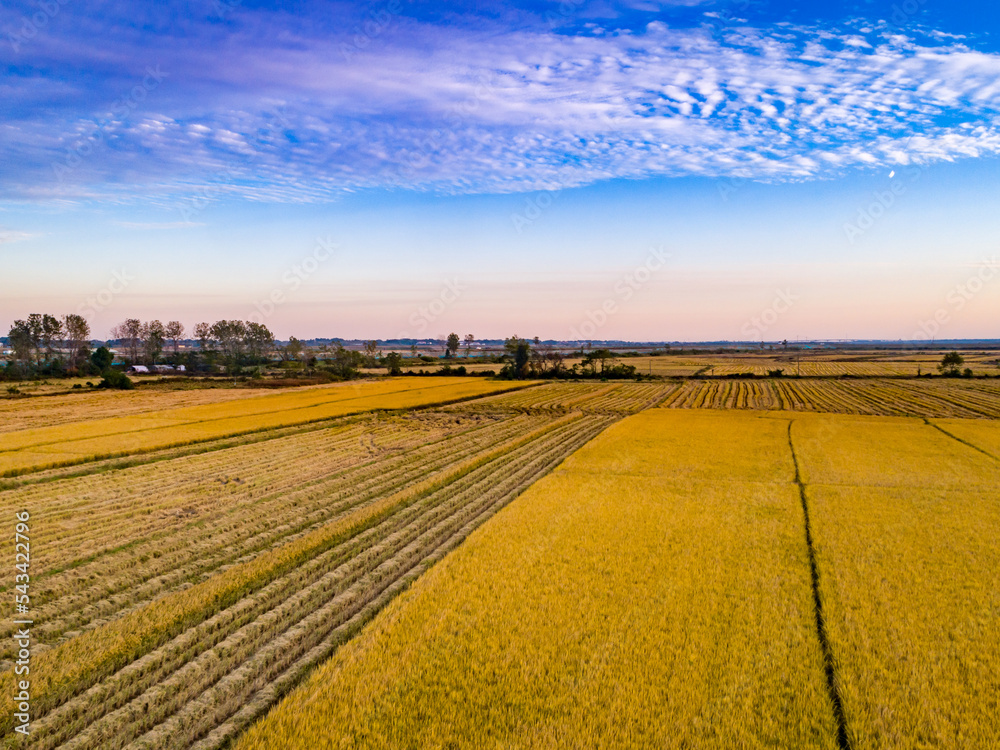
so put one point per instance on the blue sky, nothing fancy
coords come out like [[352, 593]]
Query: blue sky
[[727, 169]]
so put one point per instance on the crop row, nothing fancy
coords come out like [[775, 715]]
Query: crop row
[[227, 640], [591, 398], [31, 450], [698, 579], [930, 398], [51, 411], [620, 603], [191, 533]]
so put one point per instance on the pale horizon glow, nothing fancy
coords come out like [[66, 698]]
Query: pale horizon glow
[[796, 171]]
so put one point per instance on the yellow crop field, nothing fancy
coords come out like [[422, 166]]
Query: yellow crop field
[[905, 521], [623, 601], [927, 398], [635, 589], [23, 414], [982, 434], [888, 452], [561, 565], [219, 578], [52, 446], [89, 657], [588, 397]]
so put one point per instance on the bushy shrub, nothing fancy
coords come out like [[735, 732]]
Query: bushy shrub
[[117, 380]]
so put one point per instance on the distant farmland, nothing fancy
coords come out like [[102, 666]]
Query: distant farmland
[[602, 563]]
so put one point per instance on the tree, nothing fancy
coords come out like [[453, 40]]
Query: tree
[[469, 341], [346, 362], [260, 341], [102, 358], [950, 363], [555, 359], [153, 335], [602, 355], [174, 331], [24, 340], [52, 331], [393, 362], [293, 350], [77, 338], [129, 337], [231, 335], [203, 332], [520, 351], [413, 350], [371, 349], [452, 345]]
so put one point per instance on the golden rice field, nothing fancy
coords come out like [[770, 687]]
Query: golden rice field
[[914, 397], [176, 599], [808, 363], [926, 397], [589, 397], [23, 414], [817, 363], [657, 590], [456, 562], [90, 439]]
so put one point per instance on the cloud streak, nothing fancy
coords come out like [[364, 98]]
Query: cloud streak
[[266, 109]]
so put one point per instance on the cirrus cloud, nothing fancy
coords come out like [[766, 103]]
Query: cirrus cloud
[[291, 115]]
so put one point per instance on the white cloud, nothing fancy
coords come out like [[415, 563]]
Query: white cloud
[[474, 112]]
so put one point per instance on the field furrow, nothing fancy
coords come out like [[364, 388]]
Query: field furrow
[[622, 548], [445, 510]]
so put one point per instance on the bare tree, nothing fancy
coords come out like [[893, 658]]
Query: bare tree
[[469, 340], [555, 360]]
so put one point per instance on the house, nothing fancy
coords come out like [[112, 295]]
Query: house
[[138, 370]]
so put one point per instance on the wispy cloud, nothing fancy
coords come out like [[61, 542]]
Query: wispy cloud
[[144, 225], [7, 236], [294, 114]]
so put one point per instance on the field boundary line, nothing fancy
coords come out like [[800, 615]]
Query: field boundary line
[[975, 447], [223, 734], [317, 481], [18, 472], [182, 422], [142, 630], [843, 742]]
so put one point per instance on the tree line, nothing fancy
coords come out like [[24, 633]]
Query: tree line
[[48, 344], [43, 344]]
